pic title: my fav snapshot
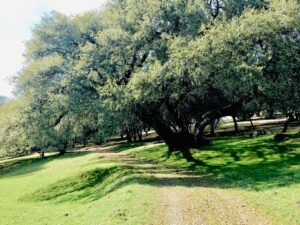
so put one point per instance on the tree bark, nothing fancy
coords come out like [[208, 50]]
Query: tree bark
[[140, 135], [297, 115], [176, 133], [128, 136], [42, 154], [212, 128], [236, 128], [270, 113], [251, 122], [62, 148], [285, 127], [73, 143], [62, 151], [287, 122]]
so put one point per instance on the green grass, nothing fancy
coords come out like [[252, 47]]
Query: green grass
[[84, 188], [73, 189], [263, 171]]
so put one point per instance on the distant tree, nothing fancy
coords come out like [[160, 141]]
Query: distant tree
[[13, 136], [60, 98]]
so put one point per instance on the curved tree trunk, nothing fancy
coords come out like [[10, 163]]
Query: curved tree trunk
[[236, 128], [177, 132], [251, 122]]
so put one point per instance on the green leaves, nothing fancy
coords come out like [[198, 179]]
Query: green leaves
[[178, 62]]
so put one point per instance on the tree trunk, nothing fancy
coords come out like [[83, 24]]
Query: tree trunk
[[297, 116], [287, 122], [62, 151], [128, 136], [251, 122], [175, 141], [140, 135], [146, 129], [178, 135], [270, 113], [285, 127], [212, 128], [42, 154], [73, 143], [236, 128], [84, 141]]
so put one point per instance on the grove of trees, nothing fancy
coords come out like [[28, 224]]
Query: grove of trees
[[173, 65]]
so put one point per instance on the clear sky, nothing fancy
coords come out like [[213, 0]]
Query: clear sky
[[16, 20]]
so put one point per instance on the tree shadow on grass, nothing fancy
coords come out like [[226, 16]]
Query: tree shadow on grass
[[127, 146], [240, 162], [23, 166], [97, 183], [254, 163], [250, 164], [233, 162]]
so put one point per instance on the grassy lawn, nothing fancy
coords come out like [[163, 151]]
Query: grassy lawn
[[70, 190], [263, 171], [87, 188]]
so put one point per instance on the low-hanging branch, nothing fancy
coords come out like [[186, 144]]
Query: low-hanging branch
[[57, 121]]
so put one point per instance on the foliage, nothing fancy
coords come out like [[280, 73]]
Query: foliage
[[13, 137], [218, 73], [176, 66]]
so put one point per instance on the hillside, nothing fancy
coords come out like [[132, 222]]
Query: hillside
[[241, 180]]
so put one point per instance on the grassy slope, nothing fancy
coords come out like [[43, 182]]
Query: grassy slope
[[57, 176], [84, 188], [264, 172]]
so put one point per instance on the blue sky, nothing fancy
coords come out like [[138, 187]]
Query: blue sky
[[17, 17]]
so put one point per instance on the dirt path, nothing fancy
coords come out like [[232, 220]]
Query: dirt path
[[195, 206], [185, 198]]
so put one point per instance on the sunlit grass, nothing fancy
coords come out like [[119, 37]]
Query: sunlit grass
[[84, 188], [264, 171], [75, 189]]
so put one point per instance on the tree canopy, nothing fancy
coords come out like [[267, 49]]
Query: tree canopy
[[175, 66]]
